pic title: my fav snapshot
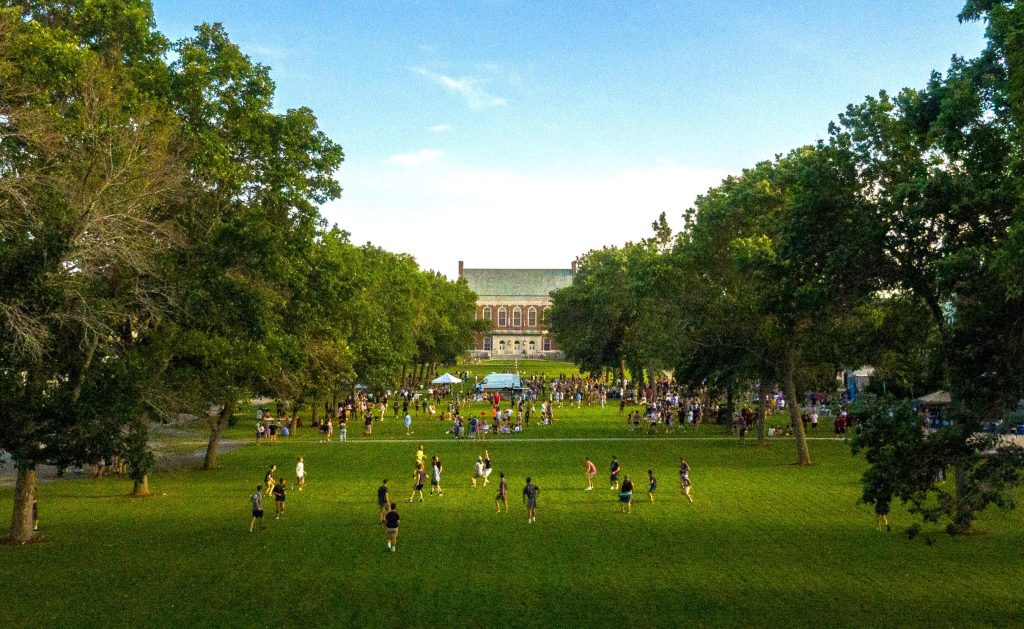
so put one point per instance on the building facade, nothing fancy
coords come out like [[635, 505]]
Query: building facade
[[517, 303]]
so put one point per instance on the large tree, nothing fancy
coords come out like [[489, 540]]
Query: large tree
[[89, 177], [942, 166], [261, 177]]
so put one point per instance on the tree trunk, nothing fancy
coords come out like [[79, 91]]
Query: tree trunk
[[141, 488], [803, 455], [313, 412], [216, 427], [24, 496], [762, 406], [730, 406], [962, 515], [296, 405]]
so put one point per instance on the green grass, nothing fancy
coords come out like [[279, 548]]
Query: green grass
[[765, 543]]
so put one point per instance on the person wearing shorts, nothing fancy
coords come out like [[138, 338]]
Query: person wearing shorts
[[383, 499], [487, 467], [615, 469], [684, 478], [478, 470], [420, 478], [530, 498], [502, 497], [279, 497], [626, 496], [257, 508], [408, 424], [435, 476], [652, 485], [342, 428], [300, 473], [391, 528], [323, 432], [591, 473]]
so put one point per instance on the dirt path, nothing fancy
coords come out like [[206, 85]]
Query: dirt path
[[166, 460]]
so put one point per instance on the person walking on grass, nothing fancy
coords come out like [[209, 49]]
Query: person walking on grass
[[343, 427], [487, 467], [502, 497], [530, 493], [435, 475], [257, 508], [390, 521], [626, 496], [279, 497], [652, 485], [383, 499], [591, 473], [421, 456], [616, 469], [300, 473], [408, 424], [478, 470], [268, 479], [419, 479], [684, 479]]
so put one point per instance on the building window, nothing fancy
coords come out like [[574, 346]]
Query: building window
[[487, 313], [517, 317], [531, 317], [516, 346], [547, 344], [545, 317], [501, 346], [502, 317], [533, 346], [487, 343]]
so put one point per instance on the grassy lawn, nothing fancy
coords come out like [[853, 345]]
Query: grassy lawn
[[764, 543]]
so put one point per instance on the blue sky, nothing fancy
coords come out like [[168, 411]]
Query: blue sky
[[522, 134]]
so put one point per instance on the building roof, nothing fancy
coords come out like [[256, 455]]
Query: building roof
[[516, 282]]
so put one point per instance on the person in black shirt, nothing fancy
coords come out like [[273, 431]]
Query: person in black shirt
[[279, 497], [626, 496], [391, 528], [530, 496], [383, 499], [615, 469]]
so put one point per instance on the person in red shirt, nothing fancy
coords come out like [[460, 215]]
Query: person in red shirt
[[591, 473]]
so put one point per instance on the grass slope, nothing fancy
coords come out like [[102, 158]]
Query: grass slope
[[765, 543]]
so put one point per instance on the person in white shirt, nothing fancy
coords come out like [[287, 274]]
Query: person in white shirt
[[300, 473], [478, 470]]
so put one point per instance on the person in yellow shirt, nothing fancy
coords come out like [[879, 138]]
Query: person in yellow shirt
[[421, 456]]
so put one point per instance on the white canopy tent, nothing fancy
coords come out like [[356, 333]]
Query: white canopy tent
[[445, 378]]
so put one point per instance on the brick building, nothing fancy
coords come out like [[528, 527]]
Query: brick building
[[516, 302]]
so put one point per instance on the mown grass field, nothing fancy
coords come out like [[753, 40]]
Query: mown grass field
[[764, 543]]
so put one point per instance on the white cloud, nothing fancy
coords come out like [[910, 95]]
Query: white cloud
[[467, 87], [266, 52], [501, 219], [440, 128], [417, 158]]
